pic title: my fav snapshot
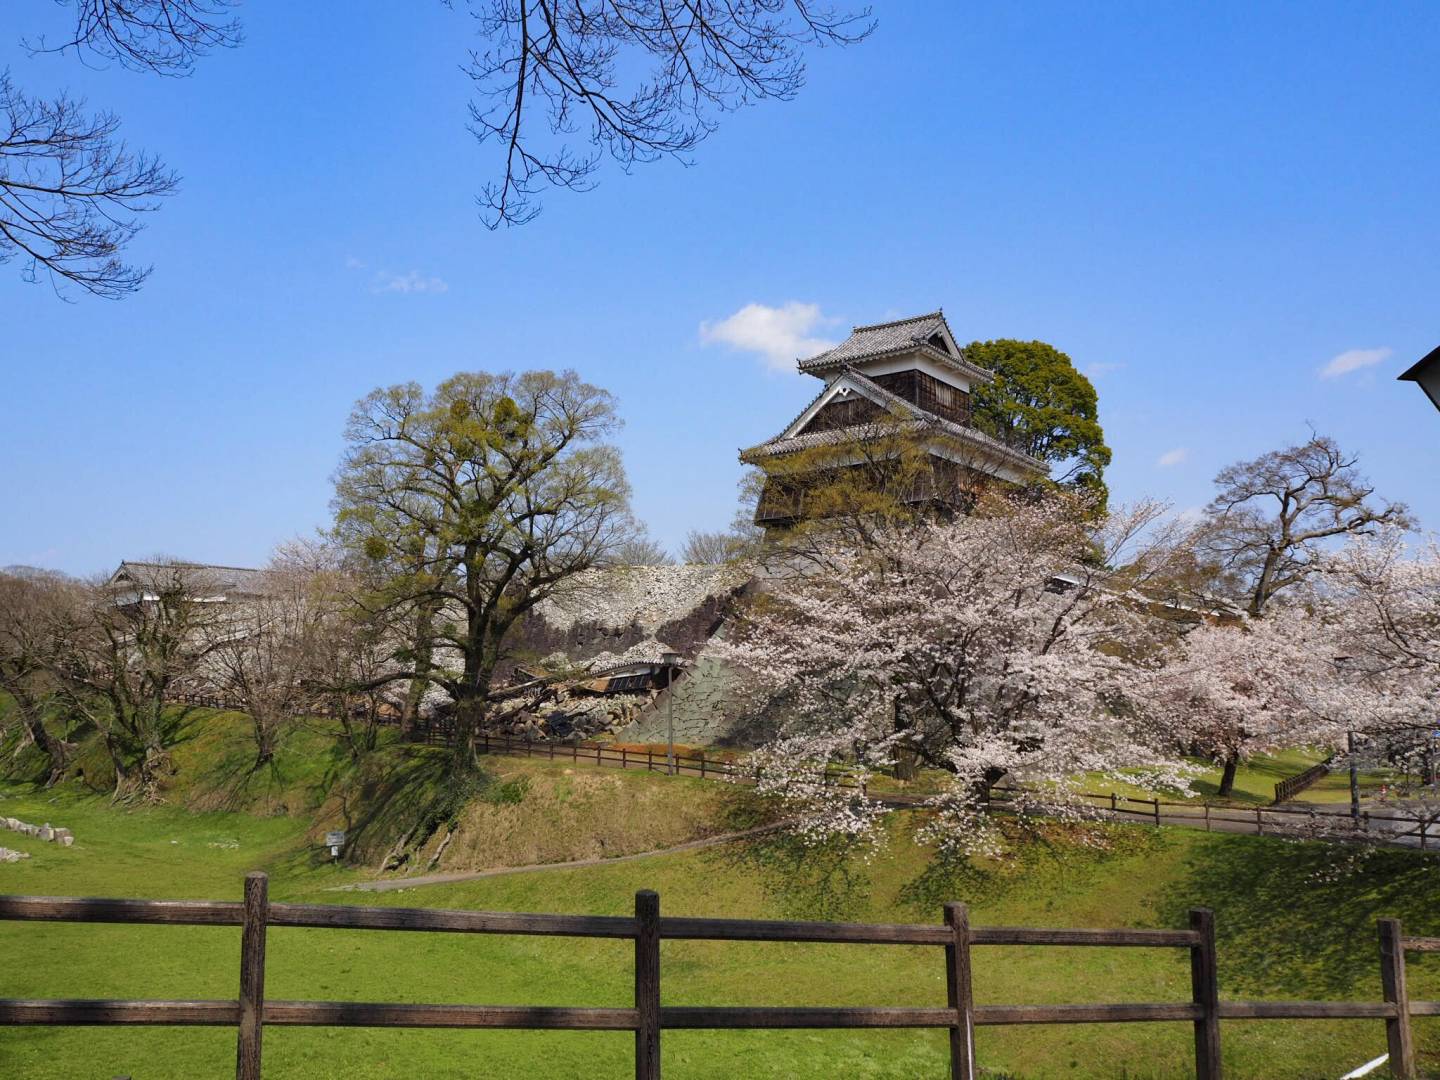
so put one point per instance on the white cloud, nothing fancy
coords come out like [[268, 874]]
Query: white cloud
[[779, 334], [1103, 367], [1172, 457], [352, 263], [413, 282], [1354, 360]]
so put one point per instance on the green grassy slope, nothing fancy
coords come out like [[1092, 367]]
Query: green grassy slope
[[1295, 921]]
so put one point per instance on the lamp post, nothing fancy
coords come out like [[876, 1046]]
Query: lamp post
[[671, 661]]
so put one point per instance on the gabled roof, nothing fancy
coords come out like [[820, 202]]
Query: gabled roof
[[200, 578], [1425, 373], [912, 419], [1413, 373], [927, 334]]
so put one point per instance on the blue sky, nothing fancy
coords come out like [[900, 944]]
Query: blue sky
[[1203, 205]]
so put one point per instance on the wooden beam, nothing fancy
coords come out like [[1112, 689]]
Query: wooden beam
[[102, 910], [391, 1015], [959, 993], [705, 1016], [1305, 1010], [252, 977], [1205, 994], [986, 1015], [1025, 935], [783, 930], [1392, 982], [87, 1012], [348, 917], [647, 985]]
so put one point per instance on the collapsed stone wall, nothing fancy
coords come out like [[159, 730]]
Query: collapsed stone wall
[[624, 613], [47, 832]]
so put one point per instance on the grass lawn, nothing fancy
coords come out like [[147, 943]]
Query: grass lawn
[[1295, 921]]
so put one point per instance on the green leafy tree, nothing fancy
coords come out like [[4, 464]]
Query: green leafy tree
[[1041, 404], [478, 501]]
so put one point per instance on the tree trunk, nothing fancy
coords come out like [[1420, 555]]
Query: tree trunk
[[1262, 592], [1227, 776], [54, 749], [469, 716], [264, 745], [906, 759], [424, 664]]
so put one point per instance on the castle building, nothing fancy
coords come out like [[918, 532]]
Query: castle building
[[906, 378]]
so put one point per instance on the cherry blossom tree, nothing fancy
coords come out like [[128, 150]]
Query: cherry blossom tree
[[1254, 687], [1384, 600], [1014, 643]]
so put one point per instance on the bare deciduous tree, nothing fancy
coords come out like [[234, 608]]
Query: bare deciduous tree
[[260, 654], [640, 550], [1272, 515], [29, 646], [551, 69], [127, 658]]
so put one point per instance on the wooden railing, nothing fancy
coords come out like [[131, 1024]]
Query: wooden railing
[[1291, 786], [1396, 829], [1399, 829], [251, 1013], [616, 756]]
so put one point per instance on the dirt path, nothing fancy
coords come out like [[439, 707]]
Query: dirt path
[[391, 884]]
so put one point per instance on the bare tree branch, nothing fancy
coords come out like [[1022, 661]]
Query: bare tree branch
[[566, 59], [160, 36], [71, 192]]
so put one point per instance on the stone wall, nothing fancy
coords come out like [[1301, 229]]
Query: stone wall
[[45, 832]]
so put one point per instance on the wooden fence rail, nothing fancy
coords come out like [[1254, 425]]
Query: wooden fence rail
[[250, 1013], [1374, 827], [1396, 829], [1291, 786]]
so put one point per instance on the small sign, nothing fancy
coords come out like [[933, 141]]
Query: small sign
[[335, 839]]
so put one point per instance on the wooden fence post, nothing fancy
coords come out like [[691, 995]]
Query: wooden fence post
[[647, 985], [252, 976], [958, 991], [1157, 811], [1392, 981], [1205, 992]]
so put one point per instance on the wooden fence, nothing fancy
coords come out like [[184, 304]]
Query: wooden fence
[[609, 754], [1291, 786], [1406, 830], [1398, 829], [251, 1013]]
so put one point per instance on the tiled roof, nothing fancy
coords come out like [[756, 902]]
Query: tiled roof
[[884, 339], [230, 580], [917, 420]]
